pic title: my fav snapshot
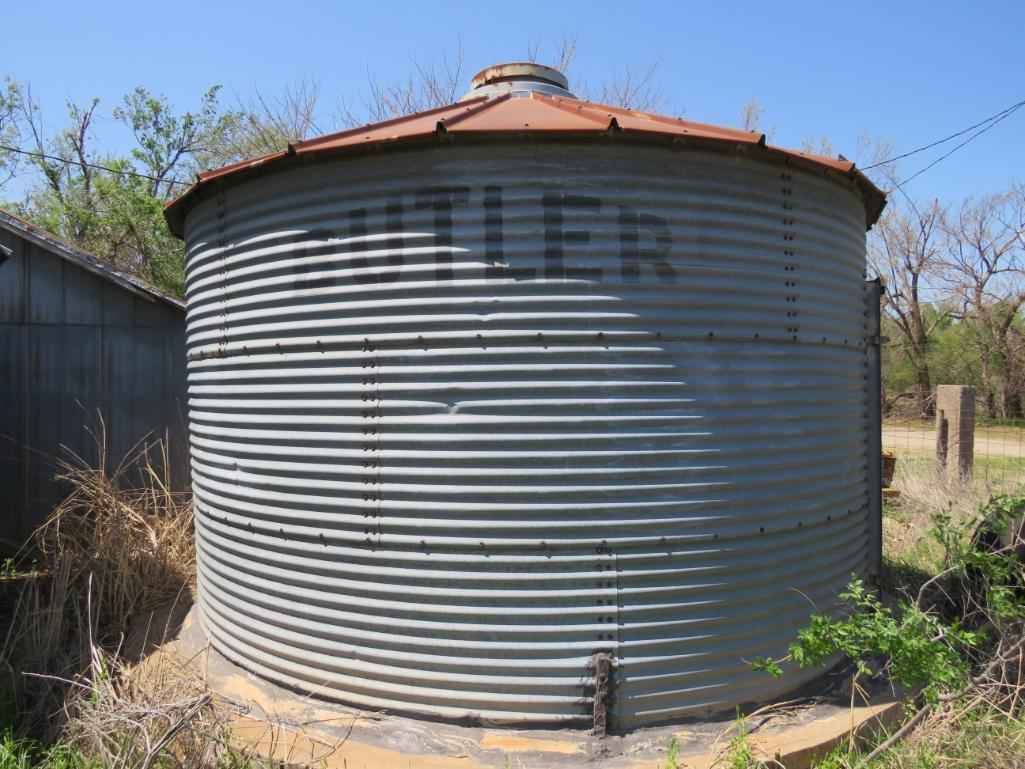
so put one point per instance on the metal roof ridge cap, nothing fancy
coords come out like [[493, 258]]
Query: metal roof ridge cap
[[584, 109], [836, 164], [308, 145], [486, 104], [654, 117], [259, 160]]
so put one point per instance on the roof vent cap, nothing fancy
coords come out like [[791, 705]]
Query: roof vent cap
[[518, 79]]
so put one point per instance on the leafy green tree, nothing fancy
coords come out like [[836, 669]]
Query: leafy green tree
[[984, 268], [172, 147], [112, 205], [10, 134]]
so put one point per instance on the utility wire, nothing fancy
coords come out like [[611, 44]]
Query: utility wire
[[119, 171], [992, 118], [989, 122], [975, 135]]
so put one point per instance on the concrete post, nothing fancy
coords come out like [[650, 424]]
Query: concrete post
[[955, 431]]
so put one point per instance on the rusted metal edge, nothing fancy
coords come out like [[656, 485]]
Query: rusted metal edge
[[601, 667], [87, 261], [174, 211]]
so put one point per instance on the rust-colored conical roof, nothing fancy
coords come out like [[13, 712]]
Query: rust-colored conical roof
[[529, 114]]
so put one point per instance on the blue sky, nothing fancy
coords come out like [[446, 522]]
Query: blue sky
[[907, 71]]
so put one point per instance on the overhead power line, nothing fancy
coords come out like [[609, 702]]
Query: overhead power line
[[992, 119], [119, 171], [988, 123], [974, 136]]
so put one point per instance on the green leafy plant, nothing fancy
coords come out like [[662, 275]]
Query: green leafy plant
[[740, 754], [957, 637], [918, 649], [672, 753]]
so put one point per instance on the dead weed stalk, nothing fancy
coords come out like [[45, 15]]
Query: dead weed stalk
[[119, 544]]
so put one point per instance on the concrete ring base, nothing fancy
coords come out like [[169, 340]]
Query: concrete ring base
[[300, 730]]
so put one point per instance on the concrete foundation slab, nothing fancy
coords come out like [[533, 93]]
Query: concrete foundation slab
[[300, 730]]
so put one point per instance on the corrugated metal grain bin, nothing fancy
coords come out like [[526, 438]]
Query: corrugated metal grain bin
[[485, 396]]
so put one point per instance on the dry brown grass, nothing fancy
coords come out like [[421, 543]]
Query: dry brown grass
[[923, 494], [122, 716], [108, 552]]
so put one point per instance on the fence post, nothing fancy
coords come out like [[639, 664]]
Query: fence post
[[955, 431]]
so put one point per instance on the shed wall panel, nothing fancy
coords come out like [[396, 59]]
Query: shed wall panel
[[12, 281], [119, 401], [118, 306], [45, 286], [81, 390], [70, 350], [83, 295], [46, 382], [13, 459]]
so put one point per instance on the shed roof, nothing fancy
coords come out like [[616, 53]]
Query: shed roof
[[527, 114], [94, 264]]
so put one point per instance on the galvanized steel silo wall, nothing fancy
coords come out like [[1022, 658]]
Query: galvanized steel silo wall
[[465, 416]]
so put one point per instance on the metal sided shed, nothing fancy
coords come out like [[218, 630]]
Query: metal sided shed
[[78, 339]]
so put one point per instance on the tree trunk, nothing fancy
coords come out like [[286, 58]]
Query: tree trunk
[[991, 404], [923, 393], [1011, 401]]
